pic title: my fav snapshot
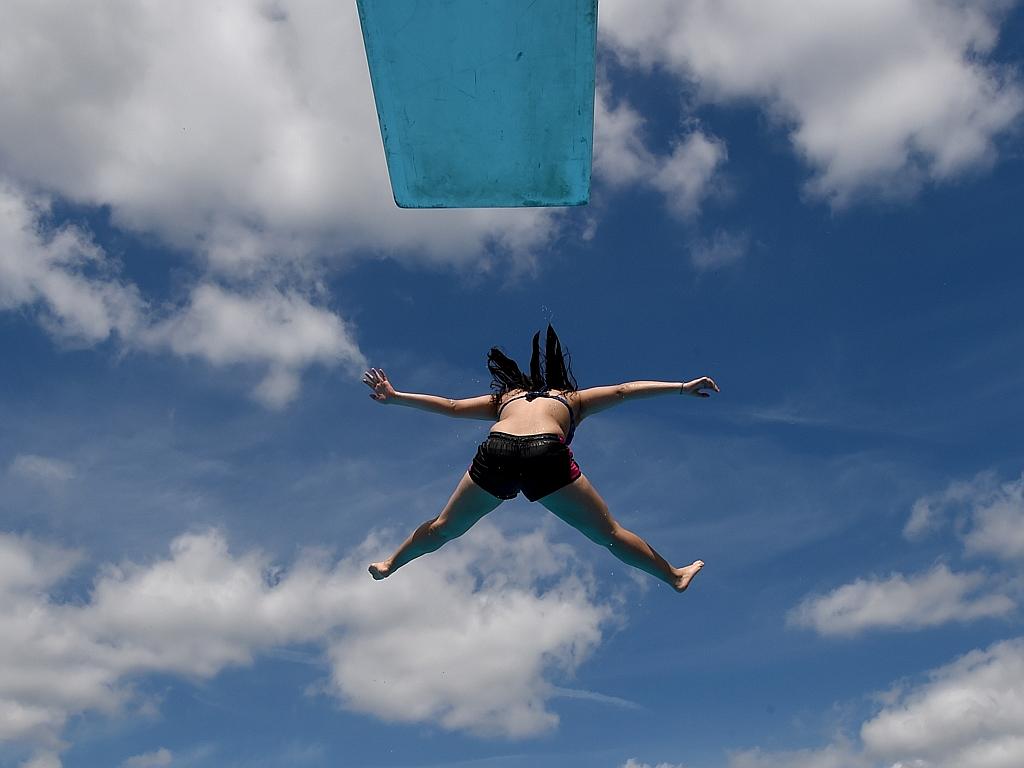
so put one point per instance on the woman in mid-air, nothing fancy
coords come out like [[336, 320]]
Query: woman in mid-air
[[527, 450]]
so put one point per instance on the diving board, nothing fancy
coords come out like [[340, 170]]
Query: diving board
[[484, 103]]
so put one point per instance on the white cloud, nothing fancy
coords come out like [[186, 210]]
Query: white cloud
[[685, 177], [620, 155], [721, 250], [73, 283], [968, 714], [42, 469], [280, 330], [988, 515], [242, 129], [997, 523], [43, 760], [879, 96], [990, 519], [898, 602], [931, 512], [80, 298], [483, 647], [634, 763], [30, 566], [466, 638], [154, 759]]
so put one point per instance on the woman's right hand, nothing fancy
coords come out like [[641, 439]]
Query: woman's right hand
[[377, 380], [696, 386]]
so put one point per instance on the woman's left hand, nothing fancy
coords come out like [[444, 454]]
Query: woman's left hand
[[377, 380], [694, 387]]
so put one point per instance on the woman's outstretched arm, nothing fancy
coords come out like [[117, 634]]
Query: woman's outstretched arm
[[481, 407], [597, 399]]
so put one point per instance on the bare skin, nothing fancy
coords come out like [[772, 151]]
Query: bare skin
[[578, 503]]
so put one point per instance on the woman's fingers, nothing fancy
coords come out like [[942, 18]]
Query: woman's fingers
[[377, 380], [704, 382], [373, 380]]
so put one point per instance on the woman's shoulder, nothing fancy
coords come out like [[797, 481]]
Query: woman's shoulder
[[504, 397], [571, 397]]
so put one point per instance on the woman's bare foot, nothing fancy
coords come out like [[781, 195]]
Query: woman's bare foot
[[381, 570], [685, 575]]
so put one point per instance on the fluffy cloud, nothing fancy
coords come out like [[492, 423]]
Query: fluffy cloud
[[633, 763], [933, 511], [41, 469], [62, 272], [29, 566], [43, 759], [898, 602], [988, 515], [280, 330], [482, 646], [74, 287], [967, 713], [997, 523], [493, 618], [685, 177], [721, 250], [203, 122], [155, 759], [878, 96]]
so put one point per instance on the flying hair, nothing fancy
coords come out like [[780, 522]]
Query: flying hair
[[552, 371]]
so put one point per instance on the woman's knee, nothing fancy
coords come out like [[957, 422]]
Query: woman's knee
[[605, 535], [613, 534], [442, 530]]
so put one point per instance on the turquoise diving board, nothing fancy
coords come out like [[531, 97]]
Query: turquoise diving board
[[484, 103]]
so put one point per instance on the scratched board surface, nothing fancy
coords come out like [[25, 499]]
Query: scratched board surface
[[484, 103]]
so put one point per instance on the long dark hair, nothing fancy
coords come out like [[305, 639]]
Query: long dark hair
[[554, 372]]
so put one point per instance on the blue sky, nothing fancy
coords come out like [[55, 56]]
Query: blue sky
[[198, 254]]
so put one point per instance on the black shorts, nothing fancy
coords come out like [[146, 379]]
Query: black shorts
[[534, 464]]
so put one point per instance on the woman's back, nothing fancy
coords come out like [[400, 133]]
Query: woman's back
[[520, 414]]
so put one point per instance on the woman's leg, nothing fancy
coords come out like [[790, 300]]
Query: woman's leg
[[468, 503], [580, 505]]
